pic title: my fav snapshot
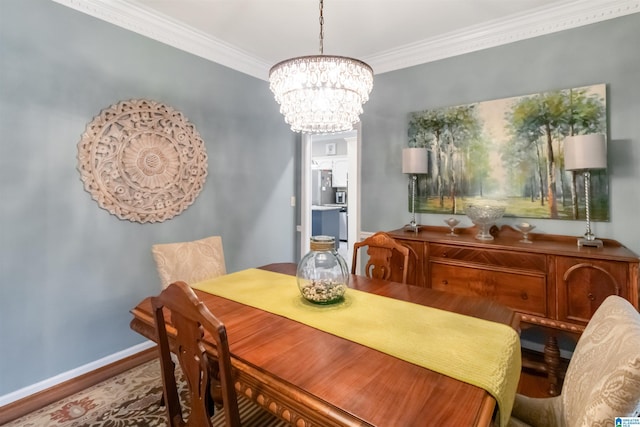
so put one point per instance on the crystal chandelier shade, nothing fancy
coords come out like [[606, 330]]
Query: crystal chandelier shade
[[321, 93]]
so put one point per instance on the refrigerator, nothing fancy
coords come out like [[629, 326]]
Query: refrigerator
[[322, 193]]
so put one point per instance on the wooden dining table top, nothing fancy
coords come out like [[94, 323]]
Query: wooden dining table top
[[309, 377]]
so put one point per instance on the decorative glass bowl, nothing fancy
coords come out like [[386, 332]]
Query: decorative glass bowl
[[484, 214]]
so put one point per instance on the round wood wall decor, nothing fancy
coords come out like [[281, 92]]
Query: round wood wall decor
[[142, 161]]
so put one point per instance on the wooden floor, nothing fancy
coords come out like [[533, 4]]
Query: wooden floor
[[533, 384]]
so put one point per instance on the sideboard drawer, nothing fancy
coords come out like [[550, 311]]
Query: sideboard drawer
[[499, 258], [524, 293]]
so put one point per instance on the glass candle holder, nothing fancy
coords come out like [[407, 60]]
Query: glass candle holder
[[525, 228], [452, 222]]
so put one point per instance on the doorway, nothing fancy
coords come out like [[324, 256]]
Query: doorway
[[352, 157]]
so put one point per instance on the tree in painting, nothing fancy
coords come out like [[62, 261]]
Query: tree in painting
[[509, 149], [536, 122], [450, 134]]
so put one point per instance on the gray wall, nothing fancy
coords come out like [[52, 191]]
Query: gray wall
[[70, 271], [606, 52]]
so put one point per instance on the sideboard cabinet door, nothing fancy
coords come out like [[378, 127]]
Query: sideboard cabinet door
[[583, 284]]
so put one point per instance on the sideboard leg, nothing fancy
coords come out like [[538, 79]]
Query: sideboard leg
[[552, 360]]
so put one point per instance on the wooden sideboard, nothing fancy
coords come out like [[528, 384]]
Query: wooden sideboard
[[552, 283]]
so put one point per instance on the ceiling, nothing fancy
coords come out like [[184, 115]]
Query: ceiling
[[252, 35]]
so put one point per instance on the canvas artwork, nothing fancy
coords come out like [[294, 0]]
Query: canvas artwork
[[511, 149]]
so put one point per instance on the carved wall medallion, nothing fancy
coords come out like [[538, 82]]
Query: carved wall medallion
[[142, 161]]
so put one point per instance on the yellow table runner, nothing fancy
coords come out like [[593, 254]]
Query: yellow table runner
[[479, 352]]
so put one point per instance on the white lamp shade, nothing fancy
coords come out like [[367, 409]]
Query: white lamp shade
[[585, 152], [415, 160]]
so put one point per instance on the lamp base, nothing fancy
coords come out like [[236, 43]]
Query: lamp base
[[596, 243], [412, 226]]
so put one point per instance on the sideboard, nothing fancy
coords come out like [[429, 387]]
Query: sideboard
[[552, 283]]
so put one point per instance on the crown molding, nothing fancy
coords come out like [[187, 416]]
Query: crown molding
[[535, 23]]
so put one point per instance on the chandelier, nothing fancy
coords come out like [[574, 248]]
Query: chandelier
[[321, 93]]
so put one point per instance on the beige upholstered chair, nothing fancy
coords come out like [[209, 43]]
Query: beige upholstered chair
[[189, 262], [603, 377]]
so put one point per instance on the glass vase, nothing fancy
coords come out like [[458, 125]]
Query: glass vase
[[322, 274]]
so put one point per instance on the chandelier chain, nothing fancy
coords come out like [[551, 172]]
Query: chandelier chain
[[321, 28]]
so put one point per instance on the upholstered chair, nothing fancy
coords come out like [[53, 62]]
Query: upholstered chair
[[189, 262], [603, 378], [381, 248]]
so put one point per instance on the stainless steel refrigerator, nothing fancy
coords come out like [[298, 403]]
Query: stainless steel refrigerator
[[322, 193]]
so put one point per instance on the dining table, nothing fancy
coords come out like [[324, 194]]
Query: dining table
[[308, 376]]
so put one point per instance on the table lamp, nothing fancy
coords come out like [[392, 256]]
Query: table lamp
[[414, 162], [586, 153]]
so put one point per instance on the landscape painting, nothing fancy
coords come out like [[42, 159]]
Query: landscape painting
[[511, 149]]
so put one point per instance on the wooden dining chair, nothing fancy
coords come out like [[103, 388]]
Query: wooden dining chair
[[603, 377], [189, 262], [381, 248], [191, 319], [209, 379]]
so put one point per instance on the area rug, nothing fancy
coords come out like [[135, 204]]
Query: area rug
[[130, 399]]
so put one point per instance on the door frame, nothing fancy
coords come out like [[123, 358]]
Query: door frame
[[354, 144]]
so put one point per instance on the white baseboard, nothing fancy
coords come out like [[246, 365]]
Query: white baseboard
[[66, 376]]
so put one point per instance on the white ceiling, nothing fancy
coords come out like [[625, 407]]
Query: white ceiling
[[252, 35]]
